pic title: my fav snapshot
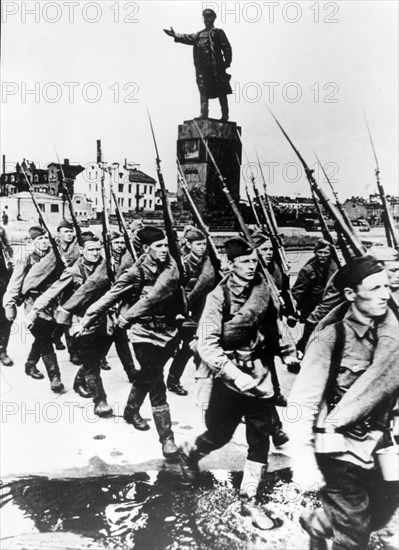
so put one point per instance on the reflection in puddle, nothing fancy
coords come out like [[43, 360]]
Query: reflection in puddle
[[144, 511]]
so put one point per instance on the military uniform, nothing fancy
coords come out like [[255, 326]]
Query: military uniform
[[32, 276], [145, 295], [344, 393]]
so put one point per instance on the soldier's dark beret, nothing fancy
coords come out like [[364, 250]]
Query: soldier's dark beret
[[353, 273], [259, 238], [209, 10], [115, 235], [236, 247], [321, 243], [191, 233], [65, 223], [150, 234], [87, 236], [36, 231]]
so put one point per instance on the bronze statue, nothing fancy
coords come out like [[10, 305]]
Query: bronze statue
[[212, 56]]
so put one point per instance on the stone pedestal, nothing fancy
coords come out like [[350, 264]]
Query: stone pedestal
[[200, 174]]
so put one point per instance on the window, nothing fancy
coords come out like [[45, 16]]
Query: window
[[145, 203], [12, 179], [129, 202], [52, 190], [122, 201], [54, 208], [42, 207], [78, 201], [145, 189], [120, 188], [35, 177], [89, 187], [130, 188], [150, 204]]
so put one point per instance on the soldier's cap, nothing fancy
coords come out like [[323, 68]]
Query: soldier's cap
[[321, 243], [353, 273], [150, 234], [260, 238], [236, 247], [88, 236], [65, 223], [384, 253], [209, 10], [191, 234], [115, 235], [36, 231], [136, 225]]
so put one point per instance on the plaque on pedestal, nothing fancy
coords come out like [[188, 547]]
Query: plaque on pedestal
[[200, 174]]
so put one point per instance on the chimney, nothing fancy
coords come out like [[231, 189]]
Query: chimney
[[66, 162], [99, 155]]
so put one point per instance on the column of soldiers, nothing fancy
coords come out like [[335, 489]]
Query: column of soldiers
[[235, 346]]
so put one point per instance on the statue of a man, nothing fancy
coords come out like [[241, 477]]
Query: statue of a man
[[212, 55]]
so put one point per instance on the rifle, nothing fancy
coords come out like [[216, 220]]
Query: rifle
[[121, 221], [54, 246], [337, 201], [250, 201], [390, 232], [66, 194], [274, 293], [105, 222], [278, 251], [351, 239], [169, 222], [212, 250]]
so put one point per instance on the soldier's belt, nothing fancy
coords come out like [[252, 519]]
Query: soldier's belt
[[153, 322]]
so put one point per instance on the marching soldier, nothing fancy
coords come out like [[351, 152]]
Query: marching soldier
[[146, 293], [6, 267], [78, 287], [311, 282], [232, 342], [344, 392], [31, 277], [199, 280]]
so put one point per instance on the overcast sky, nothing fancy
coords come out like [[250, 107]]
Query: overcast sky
[[94, 67]]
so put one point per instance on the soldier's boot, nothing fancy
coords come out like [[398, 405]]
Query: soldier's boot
[[53, 371], [95, 386], [225, 108], [5, 359], [163, 423], [318, 527], [173, 384], [79, 384], [248, 491], [131, 414], [32, 370], [189, 456]]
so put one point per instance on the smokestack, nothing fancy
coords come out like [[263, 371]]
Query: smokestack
[[4, 165], [99, 154]]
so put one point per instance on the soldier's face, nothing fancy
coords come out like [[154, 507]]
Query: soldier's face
[[322, 255], [266, 251], [245, 266], [66, 234], [91, 251], [159, 250], [371, 296], [392, 269], [198, 248], [118, 246], [42, 244]]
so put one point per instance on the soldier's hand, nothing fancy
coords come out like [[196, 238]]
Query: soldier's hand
[[30, 321], [170, 32], [244, 382], [10, 313], [122, 323]]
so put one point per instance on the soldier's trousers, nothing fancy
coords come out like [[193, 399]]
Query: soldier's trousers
[[92, 348], [356, 501], [150, 379], [225, 410], [42, 332]]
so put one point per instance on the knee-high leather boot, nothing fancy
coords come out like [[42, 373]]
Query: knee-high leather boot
[[163, 423], [53, 371]]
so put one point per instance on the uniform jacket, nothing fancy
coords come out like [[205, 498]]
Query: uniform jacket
[[198, 281], [32, 276], [310, 285], [368, 379]]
